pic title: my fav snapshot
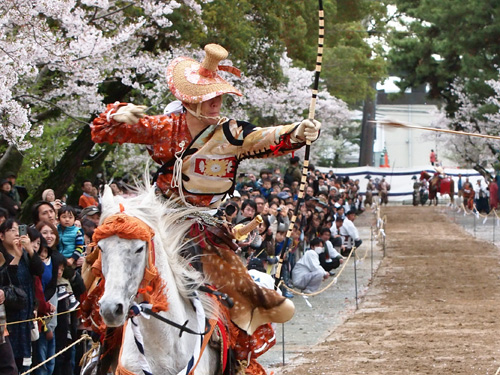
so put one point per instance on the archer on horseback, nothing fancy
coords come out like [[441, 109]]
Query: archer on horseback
[[199, 152]]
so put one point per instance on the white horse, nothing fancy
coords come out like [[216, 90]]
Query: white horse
[[124, 261]]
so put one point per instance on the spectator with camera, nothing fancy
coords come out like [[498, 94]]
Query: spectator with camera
[[23, 265], [7, 362], [265, 250], [279, 247], [48, 195], [278, 214]]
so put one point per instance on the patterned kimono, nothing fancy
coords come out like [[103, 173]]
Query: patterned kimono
[[209, 161]]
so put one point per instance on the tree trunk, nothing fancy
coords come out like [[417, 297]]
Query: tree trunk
[[11, 161], [368, 131], [65, 172], [88, 171]]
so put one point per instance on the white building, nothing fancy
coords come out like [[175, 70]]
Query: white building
[[407, 148]]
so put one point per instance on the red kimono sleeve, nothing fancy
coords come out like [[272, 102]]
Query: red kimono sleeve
[[148, 130]]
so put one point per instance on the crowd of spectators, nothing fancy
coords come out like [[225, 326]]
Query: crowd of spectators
[[40, 261], [324, 222], [40, 276]]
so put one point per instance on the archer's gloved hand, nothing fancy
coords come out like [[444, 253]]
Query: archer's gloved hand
[[129, 114], [308, 130]]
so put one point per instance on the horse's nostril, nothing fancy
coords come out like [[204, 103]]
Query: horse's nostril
[[119, 309]]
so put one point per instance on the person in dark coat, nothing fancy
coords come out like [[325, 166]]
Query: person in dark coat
[[6, 200], [7, 362], [24, 265]]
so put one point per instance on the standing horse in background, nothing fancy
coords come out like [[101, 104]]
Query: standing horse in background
[[439, 184], [144, 273]]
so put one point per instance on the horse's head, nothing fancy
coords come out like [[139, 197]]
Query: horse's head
[[424, 175], [123, 264], [140, 238], [125, 242]]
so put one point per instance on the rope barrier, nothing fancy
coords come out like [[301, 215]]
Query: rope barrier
[[41, 317], [84, 337], [363, 257], [477, 213], [381, 232]]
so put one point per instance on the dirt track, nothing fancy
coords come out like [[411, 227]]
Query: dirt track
[[433, 308]]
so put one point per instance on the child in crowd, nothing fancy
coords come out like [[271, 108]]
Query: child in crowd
[[71, 240], [280, 243], [65, 331], [266, 188], [65, 295]]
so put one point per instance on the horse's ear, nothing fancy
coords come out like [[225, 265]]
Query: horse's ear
[[107, 200]]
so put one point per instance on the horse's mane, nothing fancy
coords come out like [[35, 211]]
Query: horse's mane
[[168, 220]]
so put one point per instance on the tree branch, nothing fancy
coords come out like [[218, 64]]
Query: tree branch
[[51, 104], [114, 12]]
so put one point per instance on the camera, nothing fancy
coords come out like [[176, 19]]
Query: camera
[[23, 229]]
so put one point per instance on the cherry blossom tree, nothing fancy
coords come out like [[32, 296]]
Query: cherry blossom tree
[[472, 116], [63, 60], [56, 54]]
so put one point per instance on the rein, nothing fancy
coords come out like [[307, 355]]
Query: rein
[[305, 167], [138, 309]]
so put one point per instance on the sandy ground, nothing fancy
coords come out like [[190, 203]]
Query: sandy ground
[[432, 307], [312, 324]]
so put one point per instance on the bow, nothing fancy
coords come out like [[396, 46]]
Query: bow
[[305, 167]]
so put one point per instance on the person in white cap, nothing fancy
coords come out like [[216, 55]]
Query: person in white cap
[[200, 151]]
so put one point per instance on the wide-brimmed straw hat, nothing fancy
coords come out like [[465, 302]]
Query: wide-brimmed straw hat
[[194, 82]]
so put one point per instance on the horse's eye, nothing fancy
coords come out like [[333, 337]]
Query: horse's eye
[[139, 250]]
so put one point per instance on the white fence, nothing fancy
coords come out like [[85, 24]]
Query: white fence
[[400, 178]]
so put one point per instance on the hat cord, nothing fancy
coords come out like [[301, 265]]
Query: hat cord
[[177, 174], [199, 116]]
